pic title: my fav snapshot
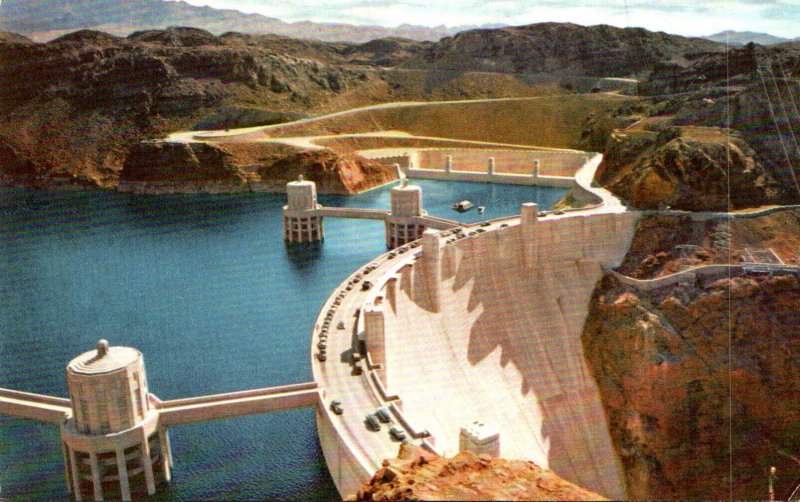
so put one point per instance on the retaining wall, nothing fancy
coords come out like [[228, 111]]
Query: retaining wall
[[551, 163]]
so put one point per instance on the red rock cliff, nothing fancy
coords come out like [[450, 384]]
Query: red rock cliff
[[700, 384], [333, 173]]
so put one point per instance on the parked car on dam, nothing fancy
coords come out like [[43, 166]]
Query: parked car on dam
[[336, 407], [397, 433], [383, 415], [372, 423]]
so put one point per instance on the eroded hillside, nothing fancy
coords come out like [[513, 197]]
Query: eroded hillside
[[749, 97], [76, 106], [697, 378]]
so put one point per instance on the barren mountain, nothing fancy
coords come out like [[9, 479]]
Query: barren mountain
[[565, 48], [745, 37], [75, 106], [46, 19], [753, 94]]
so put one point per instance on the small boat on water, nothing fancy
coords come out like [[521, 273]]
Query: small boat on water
[[481, 209], [462, 206]]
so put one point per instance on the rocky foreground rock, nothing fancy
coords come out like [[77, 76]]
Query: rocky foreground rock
[[417, 474]]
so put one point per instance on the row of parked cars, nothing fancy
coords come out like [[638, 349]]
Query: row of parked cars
[[373, 422]]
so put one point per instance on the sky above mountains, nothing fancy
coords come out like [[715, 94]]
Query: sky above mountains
[[683, 17]]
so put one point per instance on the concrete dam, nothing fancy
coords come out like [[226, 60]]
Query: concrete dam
[[504, 348], [483, 326]]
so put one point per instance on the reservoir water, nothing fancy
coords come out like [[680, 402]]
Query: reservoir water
[[207, 290]]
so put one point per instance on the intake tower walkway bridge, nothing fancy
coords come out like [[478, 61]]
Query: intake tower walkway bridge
[[114, 432], [303, 217]]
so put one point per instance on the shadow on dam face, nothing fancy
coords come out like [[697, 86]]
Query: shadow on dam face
[[505, 348]]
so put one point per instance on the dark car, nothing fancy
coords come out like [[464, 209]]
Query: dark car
[[397, 433], [383, 415], [372, 423], [336, 407]]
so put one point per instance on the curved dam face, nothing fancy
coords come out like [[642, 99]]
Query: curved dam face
[[488, 328]]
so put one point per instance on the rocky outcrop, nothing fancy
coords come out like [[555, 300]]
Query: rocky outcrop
[[419, 475], [333, 173], [664, 245], [699, 384], [157, 167], [165, 167], [695, 169], [697, 377]]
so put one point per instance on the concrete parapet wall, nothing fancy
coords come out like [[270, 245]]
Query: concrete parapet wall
[[239, 404], [212, 398], [398, 414], [483, 177], [36, 398], [682, 276]]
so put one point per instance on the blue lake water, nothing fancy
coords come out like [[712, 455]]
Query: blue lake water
[[205, 287]]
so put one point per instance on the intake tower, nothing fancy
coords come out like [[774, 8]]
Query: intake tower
[[113, 445]]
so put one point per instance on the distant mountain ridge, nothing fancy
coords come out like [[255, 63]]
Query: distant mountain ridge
[[47, 19], [746, 37], [563, 49]]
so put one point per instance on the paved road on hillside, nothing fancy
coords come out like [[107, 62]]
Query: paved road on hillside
[[189, 136]]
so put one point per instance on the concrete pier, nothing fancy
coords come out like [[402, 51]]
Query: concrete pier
[[303, 217], [402, 224], [112, 444], [432, 265], [375, 334], [301, 223]]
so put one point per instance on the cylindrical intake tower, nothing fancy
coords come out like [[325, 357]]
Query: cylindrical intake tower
[[402, 225], [113, 447], [301, 223]]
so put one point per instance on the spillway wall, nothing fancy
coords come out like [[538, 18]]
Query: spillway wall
[[553, 163]]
